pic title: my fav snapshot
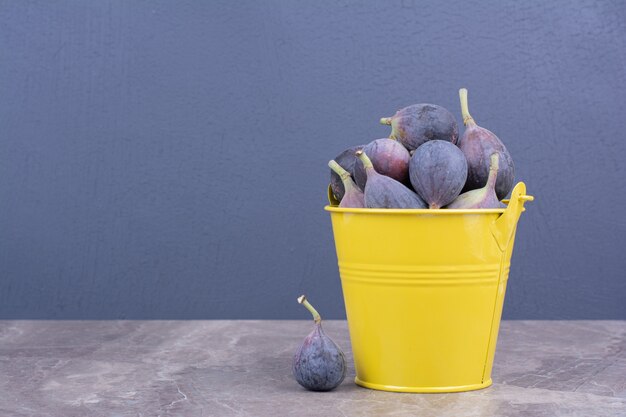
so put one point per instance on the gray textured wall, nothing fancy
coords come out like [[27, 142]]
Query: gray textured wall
[[167, 159]]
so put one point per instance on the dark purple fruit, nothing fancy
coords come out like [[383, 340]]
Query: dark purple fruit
[[419, 123], [319, 364], [478, 144], [353, 196], [388, 157], [346, 159], [384, 192], [438, 171], [484, 197]]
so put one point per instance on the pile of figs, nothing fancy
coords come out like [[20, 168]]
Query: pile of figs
[[424, 164]]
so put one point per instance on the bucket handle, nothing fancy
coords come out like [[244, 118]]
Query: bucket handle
[[503, 227]]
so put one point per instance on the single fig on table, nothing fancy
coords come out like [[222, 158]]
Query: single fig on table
[[384, 192], [346, 160], [478, 143], [419, 123], [319, 364], [438, 170], [388, 157], [482, 198], [353, 197]]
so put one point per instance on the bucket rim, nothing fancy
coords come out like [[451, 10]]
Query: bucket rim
[[335, 209]]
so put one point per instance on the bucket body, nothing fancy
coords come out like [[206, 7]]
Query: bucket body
[[424, 291]]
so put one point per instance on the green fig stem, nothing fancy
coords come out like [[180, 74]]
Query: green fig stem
[[493, 170], [367, 163], [345, 176], [468, 120], [316, 316], [385, 121], [338, 169]]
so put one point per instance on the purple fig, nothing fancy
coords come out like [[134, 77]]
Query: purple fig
[[484, 197], [438, 171], [478, 143], [353, 197], [319, 364], [419, 123], [346, 159], [384, 192], [388, 157]]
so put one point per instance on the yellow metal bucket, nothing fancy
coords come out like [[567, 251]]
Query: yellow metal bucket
[[423, 291]]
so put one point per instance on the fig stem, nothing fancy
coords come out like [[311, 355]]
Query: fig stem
[[345, 176], [338, 169], [385, 121], [316, 316], [493, 170], [367, 163], [468, 120]]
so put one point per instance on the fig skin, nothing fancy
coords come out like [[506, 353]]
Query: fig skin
[[388, 157], [318, 364], [419, 123], [438, 170], [353, 196], [482, 198], [384, 192], [346, 160], [478, 143]]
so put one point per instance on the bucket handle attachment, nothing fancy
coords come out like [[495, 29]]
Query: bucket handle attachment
[[503, 227]]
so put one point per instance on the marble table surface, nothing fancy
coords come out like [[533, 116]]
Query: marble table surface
[[243, 368]]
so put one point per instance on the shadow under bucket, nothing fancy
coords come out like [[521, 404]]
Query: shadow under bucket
[[423, 291]]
